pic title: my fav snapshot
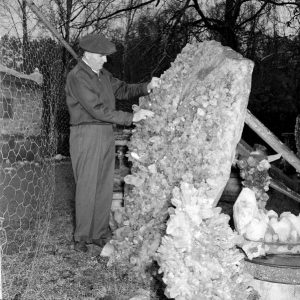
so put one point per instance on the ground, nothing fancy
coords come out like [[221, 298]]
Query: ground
[[58, 272], [53, 270]]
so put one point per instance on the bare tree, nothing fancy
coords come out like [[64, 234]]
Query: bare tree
[[11, 15], [226, 19]]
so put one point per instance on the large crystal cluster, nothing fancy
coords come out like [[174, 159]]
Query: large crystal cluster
[[181, 161]]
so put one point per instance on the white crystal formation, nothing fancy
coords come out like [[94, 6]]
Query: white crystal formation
[[198, 255]]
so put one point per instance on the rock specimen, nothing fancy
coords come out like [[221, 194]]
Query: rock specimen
[[264, 231], [254, 171], [249, 221], [181, 160]]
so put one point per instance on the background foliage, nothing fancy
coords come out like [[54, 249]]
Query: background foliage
[[149, 35]]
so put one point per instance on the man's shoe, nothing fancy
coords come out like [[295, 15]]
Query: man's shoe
[[100, 242], [80, 246]]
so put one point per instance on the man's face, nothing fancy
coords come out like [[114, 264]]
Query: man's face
[[95, 60]]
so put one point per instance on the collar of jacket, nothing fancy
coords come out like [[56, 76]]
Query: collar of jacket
[[87, 68], [85, 62]]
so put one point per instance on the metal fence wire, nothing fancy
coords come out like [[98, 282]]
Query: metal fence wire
[[30, 95], [34, 127]]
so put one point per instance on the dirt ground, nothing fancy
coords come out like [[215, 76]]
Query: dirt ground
[[56, 271]]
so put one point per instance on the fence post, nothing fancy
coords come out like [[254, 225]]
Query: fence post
[[2, 243]]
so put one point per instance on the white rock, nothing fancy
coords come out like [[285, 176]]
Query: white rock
[[244, 210], [268, 237], [285, 214], [135, 155], [256, 230], [152, 169], [272, 214], [295, 221], [107, 250], [253, 249], [275, 238], [262, 216], [294, 236], [282, 228], [58, 157], [134, 180]]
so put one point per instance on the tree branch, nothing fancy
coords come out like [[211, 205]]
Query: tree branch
[[204, 19], [255, 14], [89, 23]]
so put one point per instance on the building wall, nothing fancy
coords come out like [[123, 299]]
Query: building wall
[[20, 106]]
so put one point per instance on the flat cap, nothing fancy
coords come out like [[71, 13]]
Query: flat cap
[[97, 43]]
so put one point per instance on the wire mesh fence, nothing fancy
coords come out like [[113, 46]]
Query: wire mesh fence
[[30, 92], [34, 128]]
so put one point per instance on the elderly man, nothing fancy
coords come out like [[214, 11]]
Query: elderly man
[[90, 94]]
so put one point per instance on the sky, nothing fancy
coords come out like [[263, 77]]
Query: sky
[[11, 18], [11, 21]]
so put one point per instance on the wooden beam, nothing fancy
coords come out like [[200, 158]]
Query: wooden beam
[[282, 188], [52, 29], [272, 140]]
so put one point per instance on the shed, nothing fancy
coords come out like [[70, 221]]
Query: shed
[[21, 111], [20, 102]]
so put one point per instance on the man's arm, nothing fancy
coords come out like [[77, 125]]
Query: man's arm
[[126, 91], [79, 88]]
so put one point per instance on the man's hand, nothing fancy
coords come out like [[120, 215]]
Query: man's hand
[[154, 83], [142, 114]]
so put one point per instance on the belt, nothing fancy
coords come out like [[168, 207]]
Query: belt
[[91, 123]]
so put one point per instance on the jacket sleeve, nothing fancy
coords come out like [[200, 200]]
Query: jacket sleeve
[[125, 91], [80, 89]]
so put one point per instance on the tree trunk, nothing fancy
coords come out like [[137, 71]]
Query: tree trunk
[[228, 38], [26, 65], [65, 53], [227, 32]]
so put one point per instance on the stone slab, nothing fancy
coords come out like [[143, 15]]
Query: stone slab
[[283, 269]]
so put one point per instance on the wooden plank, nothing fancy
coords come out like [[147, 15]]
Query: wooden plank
[[282, 188], [272, 140], [52, 29]]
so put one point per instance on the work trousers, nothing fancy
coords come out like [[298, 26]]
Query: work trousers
[[92, 149]]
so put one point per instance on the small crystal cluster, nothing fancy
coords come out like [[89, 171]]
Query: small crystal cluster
[[181, 160], [254, 172]]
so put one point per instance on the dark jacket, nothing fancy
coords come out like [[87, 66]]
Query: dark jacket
[[91, 98]]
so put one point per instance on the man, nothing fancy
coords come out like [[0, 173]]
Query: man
[[90, 96]]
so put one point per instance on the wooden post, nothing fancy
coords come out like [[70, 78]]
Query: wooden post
[[36, 11], [272, 140]]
